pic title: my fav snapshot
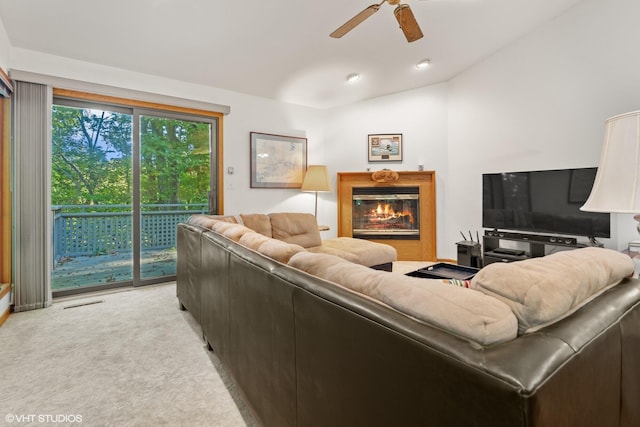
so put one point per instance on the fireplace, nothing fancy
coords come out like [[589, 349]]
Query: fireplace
[[414, 243], [386, 213]]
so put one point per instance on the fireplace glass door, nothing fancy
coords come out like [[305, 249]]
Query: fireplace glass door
[[386, 212]]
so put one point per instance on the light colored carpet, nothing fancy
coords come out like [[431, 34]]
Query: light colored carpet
[[133, 360]]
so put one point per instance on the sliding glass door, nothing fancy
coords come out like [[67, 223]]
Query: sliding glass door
[[122, 179], [91, 193], [175, 182]]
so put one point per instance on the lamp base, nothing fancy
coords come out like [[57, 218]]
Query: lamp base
[[637, 218]]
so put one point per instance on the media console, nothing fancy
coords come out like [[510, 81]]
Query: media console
[[535, 245]]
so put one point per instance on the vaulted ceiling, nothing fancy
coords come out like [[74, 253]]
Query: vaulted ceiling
[[278, 49]]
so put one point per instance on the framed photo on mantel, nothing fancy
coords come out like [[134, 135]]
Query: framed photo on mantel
[[385, 147], [277, 161]]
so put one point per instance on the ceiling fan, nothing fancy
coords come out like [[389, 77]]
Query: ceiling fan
[[403, 14]]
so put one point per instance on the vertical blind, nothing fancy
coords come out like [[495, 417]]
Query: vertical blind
[[32, 128]]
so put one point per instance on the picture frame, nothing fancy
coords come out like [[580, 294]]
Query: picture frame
[[277, 161], [384, 147]]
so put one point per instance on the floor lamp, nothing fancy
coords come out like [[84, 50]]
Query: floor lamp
[[316, 179], [616, 188]]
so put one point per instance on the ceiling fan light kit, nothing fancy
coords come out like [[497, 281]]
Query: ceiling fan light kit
[[402, 12]]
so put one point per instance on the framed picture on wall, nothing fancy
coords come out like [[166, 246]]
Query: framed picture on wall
[[386, 147], [277, 161]]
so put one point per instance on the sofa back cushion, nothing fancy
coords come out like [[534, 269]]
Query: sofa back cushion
[[542, 290], [253, 240], [464, 312], [231, 230], [260, 223], [297, 228], [207, 221], [279, 250], [202, 220]]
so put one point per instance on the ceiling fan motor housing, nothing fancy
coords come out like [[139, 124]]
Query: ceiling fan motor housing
[[408, 23]]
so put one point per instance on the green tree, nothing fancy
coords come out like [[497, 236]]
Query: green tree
[[91, 157], [174, 160]]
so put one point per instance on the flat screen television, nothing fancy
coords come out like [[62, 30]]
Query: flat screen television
[[546, 201]]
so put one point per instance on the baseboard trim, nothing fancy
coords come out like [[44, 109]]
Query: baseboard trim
[[4, 316], [5, 288]]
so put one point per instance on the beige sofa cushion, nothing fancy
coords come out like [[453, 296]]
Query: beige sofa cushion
[[230, 230], [330, 250], [541, 290], [207, 221], [359, 251], [464, 312], [279, 250], [297, 228], [260, 223], [253, 240]]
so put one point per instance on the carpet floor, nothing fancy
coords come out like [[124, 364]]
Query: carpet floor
[[127, 358]]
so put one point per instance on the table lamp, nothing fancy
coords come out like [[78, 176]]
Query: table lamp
[[616, 188], [316, 179]]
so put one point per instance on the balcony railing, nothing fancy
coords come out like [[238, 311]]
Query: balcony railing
[[85, 230]]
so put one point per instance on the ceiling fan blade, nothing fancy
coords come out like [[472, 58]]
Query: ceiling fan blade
[[353, 22], [408, 22]]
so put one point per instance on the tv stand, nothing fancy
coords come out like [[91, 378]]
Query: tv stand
[[535, 245]]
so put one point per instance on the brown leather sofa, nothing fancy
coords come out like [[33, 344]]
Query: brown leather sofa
[[307, 352]]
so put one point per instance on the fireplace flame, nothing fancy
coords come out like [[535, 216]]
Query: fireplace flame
[[385, 213]]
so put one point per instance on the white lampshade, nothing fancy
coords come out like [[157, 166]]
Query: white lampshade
[[316, 179], [616, 188]]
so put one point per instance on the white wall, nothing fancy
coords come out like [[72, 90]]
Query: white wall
[[538, 104], [262, 115], [541, 104], [5, 48], [248, 114], [420, 115]]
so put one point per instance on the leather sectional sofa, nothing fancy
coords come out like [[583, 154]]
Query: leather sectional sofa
[[314, 339]]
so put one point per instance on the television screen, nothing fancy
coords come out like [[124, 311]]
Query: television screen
[[542, 201]]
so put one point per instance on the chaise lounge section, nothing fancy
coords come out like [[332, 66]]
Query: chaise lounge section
[[282, 234], [302, 229], [313, 339]]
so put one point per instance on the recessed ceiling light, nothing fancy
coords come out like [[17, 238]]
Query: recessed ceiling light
[[353, 77], [425, 63]]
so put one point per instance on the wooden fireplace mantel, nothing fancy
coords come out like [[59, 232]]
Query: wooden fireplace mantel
[[423, 249]]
